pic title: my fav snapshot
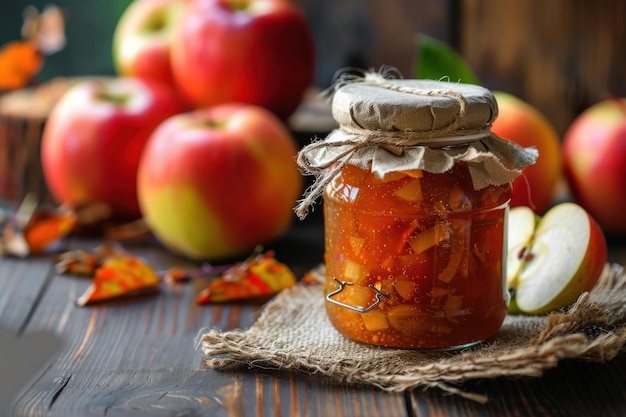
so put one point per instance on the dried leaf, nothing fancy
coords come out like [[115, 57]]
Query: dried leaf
[[85, 263], [316, 276], [259, 276], [77, 262], [120, 277], [47, 227], [13, 242], [176, 274], [32, 230]]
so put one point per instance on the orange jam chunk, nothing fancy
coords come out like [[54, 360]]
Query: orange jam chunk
[[431, 243]]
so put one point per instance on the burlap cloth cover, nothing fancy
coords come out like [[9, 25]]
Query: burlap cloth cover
[[388, 124], [294, 333]]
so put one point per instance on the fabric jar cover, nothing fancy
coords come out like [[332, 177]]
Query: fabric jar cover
[[388, 125]]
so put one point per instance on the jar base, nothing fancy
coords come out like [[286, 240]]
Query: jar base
[[425, 349]]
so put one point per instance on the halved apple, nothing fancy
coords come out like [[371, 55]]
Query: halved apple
[[552, 260]]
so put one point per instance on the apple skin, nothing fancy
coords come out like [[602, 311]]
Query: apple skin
[[258, 52], [215, 182], [594, 151], [555, 260], [93, 139], [523, 124], [142, 38]]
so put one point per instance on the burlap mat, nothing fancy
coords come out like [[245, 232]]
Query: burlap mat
[[293, 333]]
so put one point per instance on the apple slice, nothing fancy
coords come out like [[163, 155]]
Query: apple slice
[[522, 224], [563, 256]]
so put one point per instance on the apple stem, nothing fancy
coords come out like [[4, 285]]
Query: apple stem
[[239, 4], [117, 99]]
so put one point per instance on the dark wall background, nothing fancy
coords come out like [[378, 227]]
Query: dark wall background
[[559, 55], [89, 31]]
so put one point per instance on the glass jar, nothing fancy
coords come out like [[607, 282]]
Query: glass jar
[[416, 195], [416, 259]]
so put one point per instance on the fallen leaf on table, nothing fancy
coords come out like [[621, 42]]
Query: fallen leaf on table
[[176, 274], [47, 227], [316, 276], [259, 276], [32, 230], [13, 242], [85, 263], [120, 277], [117, 273]]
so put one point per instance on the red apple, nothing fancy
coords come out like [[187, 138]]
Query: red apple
[[594, 151], [522, 123], [215, 182], [251, 51], [94, 137], [552, 259], [141, 41]]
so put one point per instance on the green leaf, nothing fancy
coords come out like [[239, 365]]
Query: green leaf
[[438, 61]]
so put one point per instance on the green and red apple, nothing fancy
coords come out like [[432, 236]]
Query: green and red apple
[[552, 259], [215, 182], [94, 137], [594, 151], [142, 39], [522, 123], [250, 51]]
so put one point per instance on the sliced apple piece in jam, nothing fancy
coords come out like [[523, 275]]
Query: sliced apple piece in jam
[[458, 199], [356, 243], [425, 240], [403, 318], [354, 272], [406, 289], [375, 320], [454, 302], [459, 249], [411, 191], [407, 319], [413, 173], [393, 176]]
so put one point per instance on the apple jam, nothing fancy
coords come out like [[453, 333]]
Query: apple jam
[[416, 197], [415, 259]]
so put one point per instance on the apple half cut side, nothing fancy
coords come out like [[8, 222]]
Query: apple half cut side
[[522, 224], [564, 255]]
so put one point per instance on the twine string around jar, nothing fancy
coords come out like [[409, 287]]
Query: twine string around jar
[[354, 138]]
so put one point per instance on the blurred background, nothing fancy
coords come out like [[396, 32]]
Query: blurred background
[[561, 55]]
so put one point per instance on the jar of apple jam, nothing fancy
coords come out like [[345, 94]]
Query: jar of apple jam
[[416, 194]]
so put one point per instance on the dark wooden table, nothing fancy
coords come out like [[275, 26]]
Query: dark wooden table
[[137, 357]]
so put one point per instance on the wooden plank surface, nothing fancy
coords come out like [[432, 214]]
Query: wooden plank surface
[[574, 388], [22, 284], [137, 358]]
